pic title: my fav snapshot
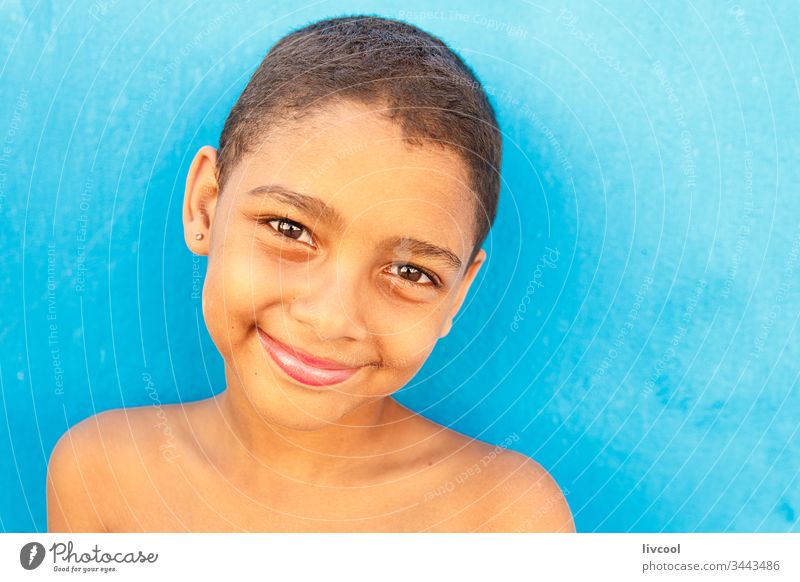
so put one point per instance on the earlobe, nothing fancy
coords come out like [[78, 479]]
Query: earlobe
[[200, 200], [447, 326]]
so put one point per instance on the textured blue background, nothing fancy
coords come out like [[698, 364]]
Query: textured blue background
[[650, 363]]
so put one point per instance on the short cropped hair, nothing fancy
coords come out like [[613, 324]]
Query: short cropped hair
[[424, 86]]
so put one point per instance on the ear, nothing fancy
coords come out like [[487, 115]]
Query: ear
[[200, 200], [466, 282]]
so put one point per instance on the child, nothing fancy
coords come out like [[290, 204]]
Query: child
[[343, 216]]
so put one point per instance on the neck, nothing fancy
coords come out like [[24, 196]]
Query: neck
[[353, 448]]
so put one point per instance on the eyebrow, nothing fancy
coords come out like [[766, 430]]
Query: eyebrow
[[330, 216], [424, 249]]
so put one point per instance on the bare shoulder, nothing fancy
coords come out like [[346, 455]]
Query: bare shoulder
[[74, 470], [89, 459], [507, 490], [523, 496], [118, 432]]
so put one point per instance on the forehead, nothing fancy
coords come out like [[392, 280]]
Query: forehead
[[357, 161]]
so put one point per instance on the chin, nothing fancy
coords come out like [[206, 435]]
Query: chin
[[298, 408]]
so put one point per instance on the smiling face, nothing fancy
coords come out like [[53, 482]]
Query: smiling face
[[334, 245]]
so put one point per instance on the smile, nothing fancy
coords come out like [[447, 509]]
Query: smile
[[302, 367]]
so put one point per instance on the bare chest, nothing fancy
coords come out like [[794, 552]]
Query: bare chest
[[182, 497]]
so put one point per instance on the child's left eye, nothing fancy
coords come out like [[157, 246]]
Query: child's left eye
[[414, 275], [289, 229]]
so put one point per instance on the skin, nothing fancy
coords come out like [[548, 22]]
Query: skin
[[269, 453]]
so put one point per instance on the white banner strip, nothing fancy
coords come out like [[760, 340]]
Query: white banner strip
[[401, 557]]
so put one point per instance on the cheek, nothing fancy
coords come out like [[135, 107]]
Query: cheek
[[243, 281], [214, 314], [407, 347], [221, 326], [233, 292], [406, 323]]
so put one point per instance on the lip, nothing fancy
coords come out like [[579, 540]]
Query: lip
[[303, 367]]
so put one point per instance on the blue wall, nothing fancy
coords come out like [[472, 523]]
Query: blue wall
[[640, 306]]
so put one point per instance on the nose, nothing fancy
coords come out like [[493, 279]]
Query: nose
[[328, 301]]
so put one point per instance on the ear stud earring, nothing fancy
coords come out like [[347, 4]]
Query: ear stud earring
[[198, 236]]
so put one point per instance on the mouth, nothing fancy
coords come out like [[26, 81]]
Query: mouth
[[303, 367]]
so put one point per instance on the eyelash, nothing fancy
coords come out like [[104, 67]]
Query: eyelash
[[267, 220]]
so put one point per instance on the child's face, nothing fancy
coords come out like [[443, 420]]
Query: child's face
[[346, 284]]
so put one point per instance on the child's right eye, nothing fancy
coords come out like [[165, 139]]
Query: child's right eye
[[289, 229]]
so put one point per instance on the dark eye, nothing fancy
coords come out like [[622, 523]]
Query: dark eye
[[414, 275], [289, 229]]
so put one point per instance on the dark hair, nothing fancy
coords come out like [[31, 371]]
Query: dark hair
[[427, 90]]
